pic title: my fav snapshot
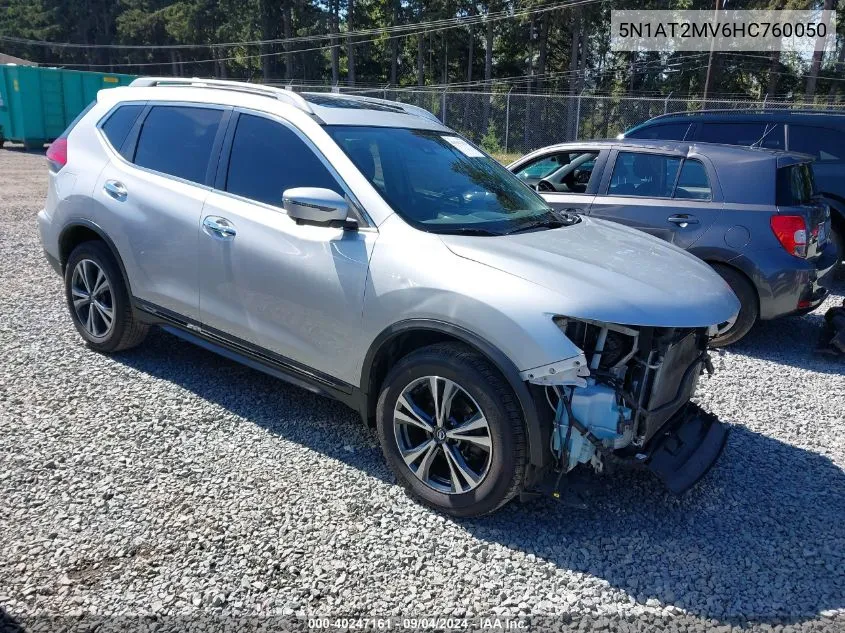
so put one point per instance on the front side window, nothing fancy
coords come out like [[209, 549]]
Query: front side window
[[439, 182], [750, 133], [646, 175], [693, 183], [177, 140], [563, 172], [825, 144], [267, 158]]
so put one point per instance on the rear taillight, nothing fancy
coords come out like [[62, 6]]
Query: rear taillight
[[57, 154], [791, 231]]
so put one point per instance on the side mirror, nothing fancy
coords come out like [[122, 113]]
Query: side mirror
[[315, 205]]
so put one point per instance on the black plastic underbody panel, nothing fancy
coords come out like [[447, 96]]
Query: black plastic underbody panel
[[687, 450]]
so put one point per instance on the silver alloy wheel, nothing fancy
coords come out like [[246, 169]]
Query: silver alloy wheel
[[442, 435], [92, 298]]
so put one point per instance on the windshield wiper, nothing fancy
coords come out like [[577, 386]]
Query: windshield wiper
[[559, 219], [465, 230]]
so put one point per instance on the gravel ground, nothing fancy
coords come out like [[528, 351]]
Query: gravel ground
[[167, 481]]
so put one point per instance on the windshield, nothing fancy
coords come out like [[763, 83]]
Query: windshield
[[440, 183]]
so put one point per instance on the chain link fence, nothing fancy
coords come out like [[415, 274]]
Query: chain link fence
[[517, 123]]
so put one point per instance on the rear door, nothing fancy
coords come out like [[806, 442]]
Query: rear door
[[567, 179], [668, 196], [155, 186]]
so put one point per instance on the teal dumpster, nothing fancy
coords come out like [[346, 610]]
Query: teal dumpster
[[37, 104]]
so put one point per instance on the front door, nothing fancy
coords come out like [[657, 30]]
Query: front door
[[295, 290]]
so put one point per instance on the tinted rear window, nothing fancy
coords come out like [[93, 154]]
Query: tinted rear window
[[795, 185], [825, 144], [267, 158], [177, 140], [120, 122], [761, 134], [664, 131]]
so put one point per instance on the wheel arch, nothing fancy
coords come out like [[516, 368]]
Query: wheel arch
[[399, 339], [78, 231], [713, 263]]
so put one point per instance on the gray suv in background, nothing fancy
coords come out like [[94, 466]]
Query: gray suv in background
[[750, 213], [360, 249]]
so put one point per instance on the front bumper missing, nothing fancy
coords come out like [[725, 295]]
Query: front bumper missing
[[687, 448]]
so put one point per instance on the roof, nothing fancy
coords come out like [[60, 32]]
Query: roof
[[11, 59], [782, 115], [325, 108], [713, 151], [746, 175]]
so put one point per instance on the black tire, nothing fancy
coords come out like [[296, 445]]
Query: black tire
[[479, 379], [748, 313], [125, 330]]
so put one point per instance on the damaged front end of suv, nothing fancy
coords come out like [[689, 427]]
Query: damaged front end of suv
[[627, 400]]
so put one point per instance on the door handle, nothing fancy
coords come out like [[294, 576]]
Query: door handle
[[682, 220], [115, 189], [219, 227]]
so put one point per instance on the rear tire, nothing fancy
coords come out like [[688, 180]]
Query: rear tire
[[476, 393], [748, 313], [98, 300]]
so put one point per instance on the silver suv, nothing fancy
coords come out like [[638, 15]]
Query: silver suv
[[360, 249]]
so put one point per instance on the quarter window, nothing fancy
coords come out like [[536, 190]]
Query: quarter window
[[692, 182], [177, 140], [267, 158], [825, 144], [120, 122], [647, 175]]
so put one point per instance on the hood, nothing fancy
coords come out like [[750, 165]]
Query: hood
[[607, 272]]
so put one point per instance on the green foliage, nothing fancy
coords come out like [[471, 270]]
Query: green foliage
[[540, 45], [490, 141]]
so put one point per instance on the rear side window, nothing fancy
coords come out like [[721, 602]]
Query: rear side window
[[825, 144], [795, 185], [120, 122], [761, 134], [664, 131], [648, 175], [693, 183], [177, 140], [267, 158]]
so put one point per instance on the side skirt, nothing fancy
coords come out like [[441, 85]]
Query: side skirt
[[251, 355]]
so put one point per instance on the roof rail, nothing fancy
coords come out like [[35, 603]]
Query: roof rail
[[407, 108], [288, 96], [751, 111]]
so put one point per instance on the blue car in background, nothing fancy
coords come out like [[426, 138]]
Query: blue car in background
[[819, 133]]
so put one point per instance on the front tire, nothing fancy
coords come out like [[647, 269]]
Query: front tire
[[749, 311], [99, 301], [452, 431]]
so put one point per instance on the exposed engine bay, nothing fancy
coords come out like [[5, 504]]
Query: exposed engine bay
[[632, 402]]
